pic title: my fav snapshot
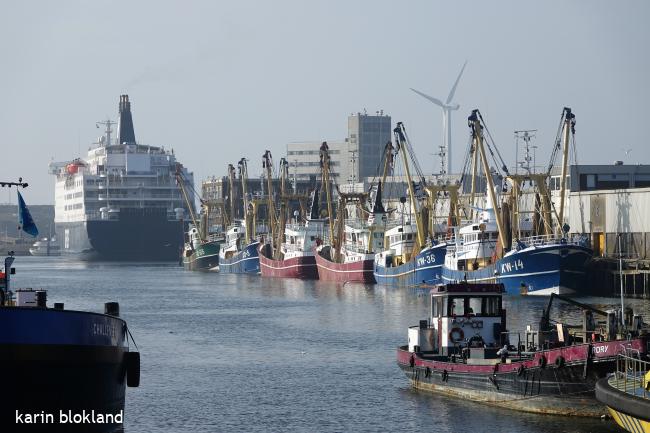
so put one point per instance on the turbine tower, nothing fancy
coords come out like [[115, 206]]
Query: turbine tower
[[447, 108]]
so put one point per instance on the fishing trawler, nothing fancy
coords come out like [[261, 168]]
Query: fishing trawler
[[410, 257], [240, 251], [347, 255], [121, 202], [296, 256], [200, 248], [465, 350], [289, 250], [547, 261]]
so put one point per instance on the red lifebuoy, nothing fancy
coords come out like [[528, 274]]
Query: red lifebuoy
[[460, 335]]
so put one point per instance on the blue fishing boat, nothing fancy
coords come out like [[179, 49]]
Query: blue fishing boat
[[410, 257], [542, 259], [237, 256]]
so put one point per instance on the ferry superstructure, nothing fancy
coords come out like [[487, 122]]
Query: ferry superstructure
[[122, 201]]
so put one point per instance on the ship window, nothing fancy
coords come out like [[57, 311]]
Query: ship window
[[456, 306], [436, 306], [491, 306], [475, 306]]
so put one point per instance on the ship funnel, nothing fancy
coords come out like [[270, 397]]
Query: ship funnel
[[125, 131]]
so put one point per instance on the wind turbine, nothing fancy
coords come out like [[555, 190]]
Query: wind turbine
[[447, 108]]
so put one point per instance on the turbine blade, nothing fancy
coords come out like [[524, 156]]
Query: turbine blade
[[430, 98], [453, 89]]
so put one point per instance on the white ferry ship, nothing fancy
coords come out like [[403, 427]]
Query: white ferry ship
[[122, 202]]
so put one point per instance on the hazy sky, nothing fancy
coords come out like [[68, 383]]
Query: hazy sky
[[220, 80]]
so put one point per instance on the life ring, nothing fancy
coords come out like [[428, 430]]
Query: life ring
[[445, 375], [520, 370], [559, 362], [456, 335], [542, 361]]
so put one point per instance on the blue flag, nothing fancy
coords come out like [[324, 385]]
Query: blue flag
[[25, 220]]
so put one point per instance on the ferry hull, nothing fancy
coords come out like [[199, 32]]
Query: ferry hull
[[303, 267], [541, 271], [560, 389], [361, 271], [138, 235], [61, 361], [424, 269], [246, 261], [204, 258]]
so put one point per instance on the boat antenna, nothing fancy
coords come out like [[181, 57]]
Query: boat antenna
[[108, 131]]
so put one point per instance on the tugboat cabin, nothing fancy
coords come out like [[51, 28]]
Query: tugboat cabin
[[465, 319]]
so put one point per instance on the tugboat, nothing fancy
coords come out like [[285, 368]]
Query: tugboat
[[464, 350], [626, 393], [62, 370]]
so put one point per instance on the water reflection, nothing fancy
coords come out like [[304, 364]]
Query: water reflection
[[244, 353]]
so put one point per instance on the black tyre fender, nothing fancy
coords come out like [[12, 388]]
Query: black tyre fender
[[132, 363], [559, 362], [427, 372], [542, 361], [444, 375], [520, 370], [412, 361]]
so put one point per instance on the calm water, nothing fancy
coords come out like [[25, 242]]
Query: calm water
[[242, 353]]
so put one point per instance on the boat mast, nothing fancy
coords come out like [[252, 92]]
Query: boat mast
[[282, 218], [325, 169], [474, 170], [400, 138], [388, 161], [180, 180], [477, 134], [243, 178], [569, 127], [231, 182], [267, 163], [108, 131]]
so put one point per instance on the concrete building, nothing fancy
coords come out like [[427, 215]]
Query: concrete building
[[304, 160], [354, 158], [367, 137], [605, 201]]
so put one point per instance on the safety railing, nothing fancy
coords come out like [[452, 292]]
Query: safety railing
[[632, 373]]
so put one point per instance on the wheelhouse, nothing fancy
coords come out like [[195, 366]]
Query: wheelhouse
[[462, 316]]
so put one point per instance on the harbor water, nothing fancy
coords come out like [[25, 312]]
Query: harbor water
[[244, 353]]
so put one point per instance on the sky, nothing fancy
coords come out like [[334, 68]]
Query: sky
[[217, 80]]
